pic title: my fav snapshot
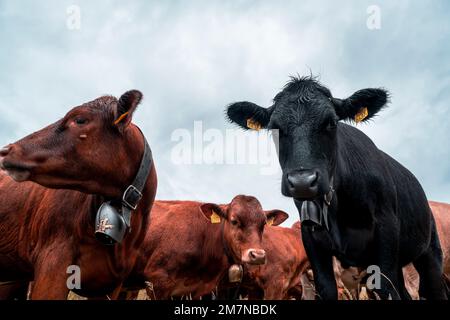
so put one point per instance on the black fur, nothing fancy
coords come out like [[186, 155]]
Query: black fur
[[376, 98], [379, 214], [240, 112]]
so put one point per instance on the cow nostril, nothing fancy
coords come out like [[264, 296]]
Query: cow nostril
[[291, 181], [257, 254], [307, 180], [4, 151], [313, 178]]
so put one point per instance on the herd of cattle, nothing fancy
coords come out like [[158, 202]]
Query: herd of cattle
[[91, 174]]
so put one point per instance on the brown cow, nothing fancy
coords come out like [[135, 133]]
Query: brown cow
[[190, 245], [280, 277], [91, 155]]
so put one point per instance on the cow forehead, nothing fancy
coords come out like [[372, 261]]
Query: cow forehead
[[247, 208], [100, 105], [245, 201], [302, 88], [297, 113], [101, 102], [302, 100], [249, 217]]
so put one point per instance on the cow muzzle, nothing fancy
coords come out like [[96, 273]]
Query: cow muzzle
[[254, 256], [3, 153], [303, 184], [16, 169]]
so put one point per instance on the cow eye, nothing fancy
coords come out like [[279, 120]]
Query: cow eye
[[234, 222], [80, 121]]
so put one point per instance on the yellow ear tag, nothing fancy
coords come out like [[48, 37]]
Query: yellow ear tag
[[121, 118], [361, 115], [252, 124], [215, 218], [270, 222]]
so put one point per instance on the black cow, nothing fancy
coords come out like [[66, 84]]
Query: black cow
[[355, 201]]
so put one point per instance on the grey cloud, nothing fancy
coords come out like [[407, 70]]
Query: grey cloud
[[192, 58]]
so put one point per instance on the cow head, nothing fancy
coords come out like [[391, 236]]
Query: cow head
[[244, 221], [92, 149], [305, 119]]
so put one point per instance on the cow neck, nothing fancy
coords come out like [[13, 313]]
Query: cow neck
[[225, 246], [231, 260], [133, 194], [315, 212]]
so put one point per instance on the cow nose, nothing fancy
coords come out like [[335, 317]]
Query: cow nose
[[303, 184], [255, 256], [4, 151]]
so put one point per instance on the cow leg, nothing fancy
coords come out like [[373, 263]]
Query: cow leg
[[308, 287], [387, 259], [325, 282], [429, 267], [114, 295], [321, 261], [404, 294], [389, 285], [275, 291], [50, 279], [431, 285], [48, 287]]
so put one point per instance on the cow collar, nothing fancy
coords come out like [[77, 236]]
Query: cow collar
[[231, 262], [315, 212], [133, 193], [226, 249], [113, 218]]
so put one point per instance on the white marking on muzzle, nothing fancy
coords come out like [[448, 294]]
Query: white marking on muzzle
[[254, 256]]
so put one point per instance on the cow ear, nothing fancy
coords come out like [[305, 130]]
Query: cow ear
[[126, 106], [275, 217], [362, 105], [213, 212], [248, 115]]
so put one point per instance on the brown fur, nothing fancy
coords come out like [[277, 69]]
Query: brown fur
[[280, 277], [184, 253], [46, 230]]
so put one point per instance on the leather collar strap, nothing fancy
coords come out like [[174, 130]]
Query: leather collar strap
[[328, 197], [133, 194], [225, 246], [234, 291]]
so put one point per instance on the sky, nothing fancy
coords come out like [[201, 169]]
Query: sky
[[192, 58]]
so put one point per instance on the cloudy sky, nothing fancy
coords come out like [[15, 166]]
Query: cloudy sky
[[192, 58]]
